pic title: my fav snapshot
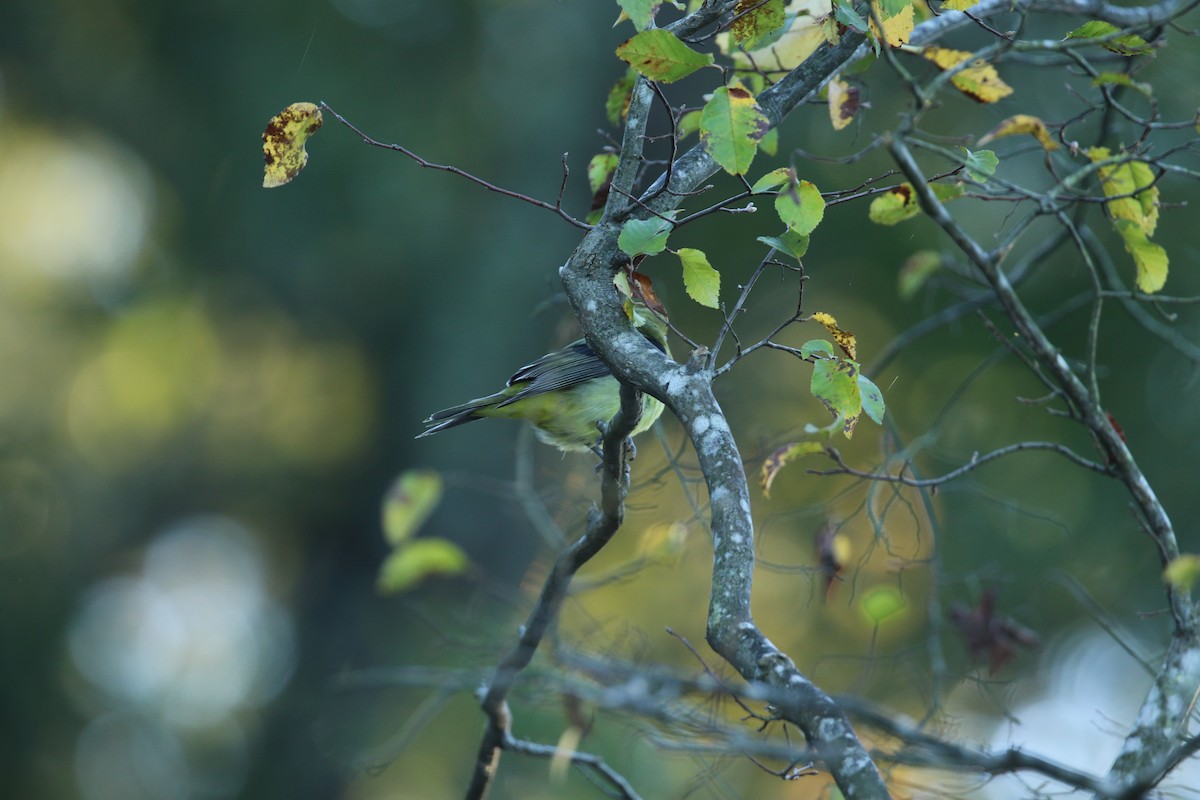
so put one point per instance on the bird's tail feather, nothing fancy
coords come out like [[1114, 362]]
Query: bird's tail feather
[[457, 415]]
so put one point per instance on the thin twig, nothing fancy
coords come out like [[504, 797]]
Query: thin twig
[[491, 187]]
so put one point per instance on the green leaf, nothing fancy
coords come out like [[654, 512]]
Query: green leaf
[[756, 23], [816, 346], [647, 236], [411, 563], [980, 165], [688, 124], [660, 56], [881, 603], [640, 11], [860, 66], [1122, 79], [789, 243], [702, 282], [616, 105], [770, 142], [731, 127], [599, 169], [917, 269], [409, 502], [844, 12], [1150, 259], [1092, 29], [872, 399], [800, 207], [773, 179], [1128, 45], [946, 192]]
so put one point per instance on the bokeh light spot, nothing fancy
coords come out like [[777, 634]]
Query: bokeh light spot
[[73, 208]]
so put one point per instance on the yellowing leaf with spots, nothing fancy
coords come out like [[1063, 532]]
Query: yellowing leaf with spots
[[835, 383], [781, 458], [844, 339], [897, 26], [283, 142], [661, 56], [900, 202], [731, 127], [843, 102], [980, 81], [755, 22], [1022, 123]]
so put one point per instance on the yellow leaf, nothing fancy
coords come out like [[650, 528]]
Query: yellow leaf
[[844, 339], [896, 29], [564, 753], [1132, 183], [414, 561], [957, 5], [980, 81], [1022, 123], [843, 102], [1183, 572], [1149, 258], [781, 458], [409, 502], [283, 142]]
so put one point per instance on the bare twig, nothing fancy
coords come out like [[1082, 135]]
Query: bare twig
[[491, 187]]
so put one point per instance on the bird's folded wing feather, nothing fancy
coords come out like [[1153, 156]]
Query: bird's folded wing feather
[[555, 371]]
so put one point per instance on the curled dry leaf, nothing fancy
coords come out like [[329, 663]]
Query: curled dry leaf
[[283, 142]]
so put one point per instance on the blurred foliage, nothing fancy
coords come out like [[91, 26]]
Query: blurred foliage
[[208, 389]]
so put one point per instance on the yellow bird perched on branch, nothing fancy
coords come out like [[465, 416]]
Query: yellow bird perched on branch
[[567, 395]]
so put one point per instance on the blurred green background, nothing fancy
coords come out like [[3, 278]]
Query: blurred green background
[[207, 388]]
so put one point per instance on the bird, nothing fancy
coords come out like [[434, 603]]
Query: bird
[[567, 395]]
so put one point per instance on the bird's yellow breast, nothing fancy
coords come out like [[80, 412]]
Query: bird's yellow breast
[[570, 419]]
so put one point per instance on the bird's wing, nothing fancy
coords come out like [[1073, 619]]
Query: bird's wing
[[561, 369]]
